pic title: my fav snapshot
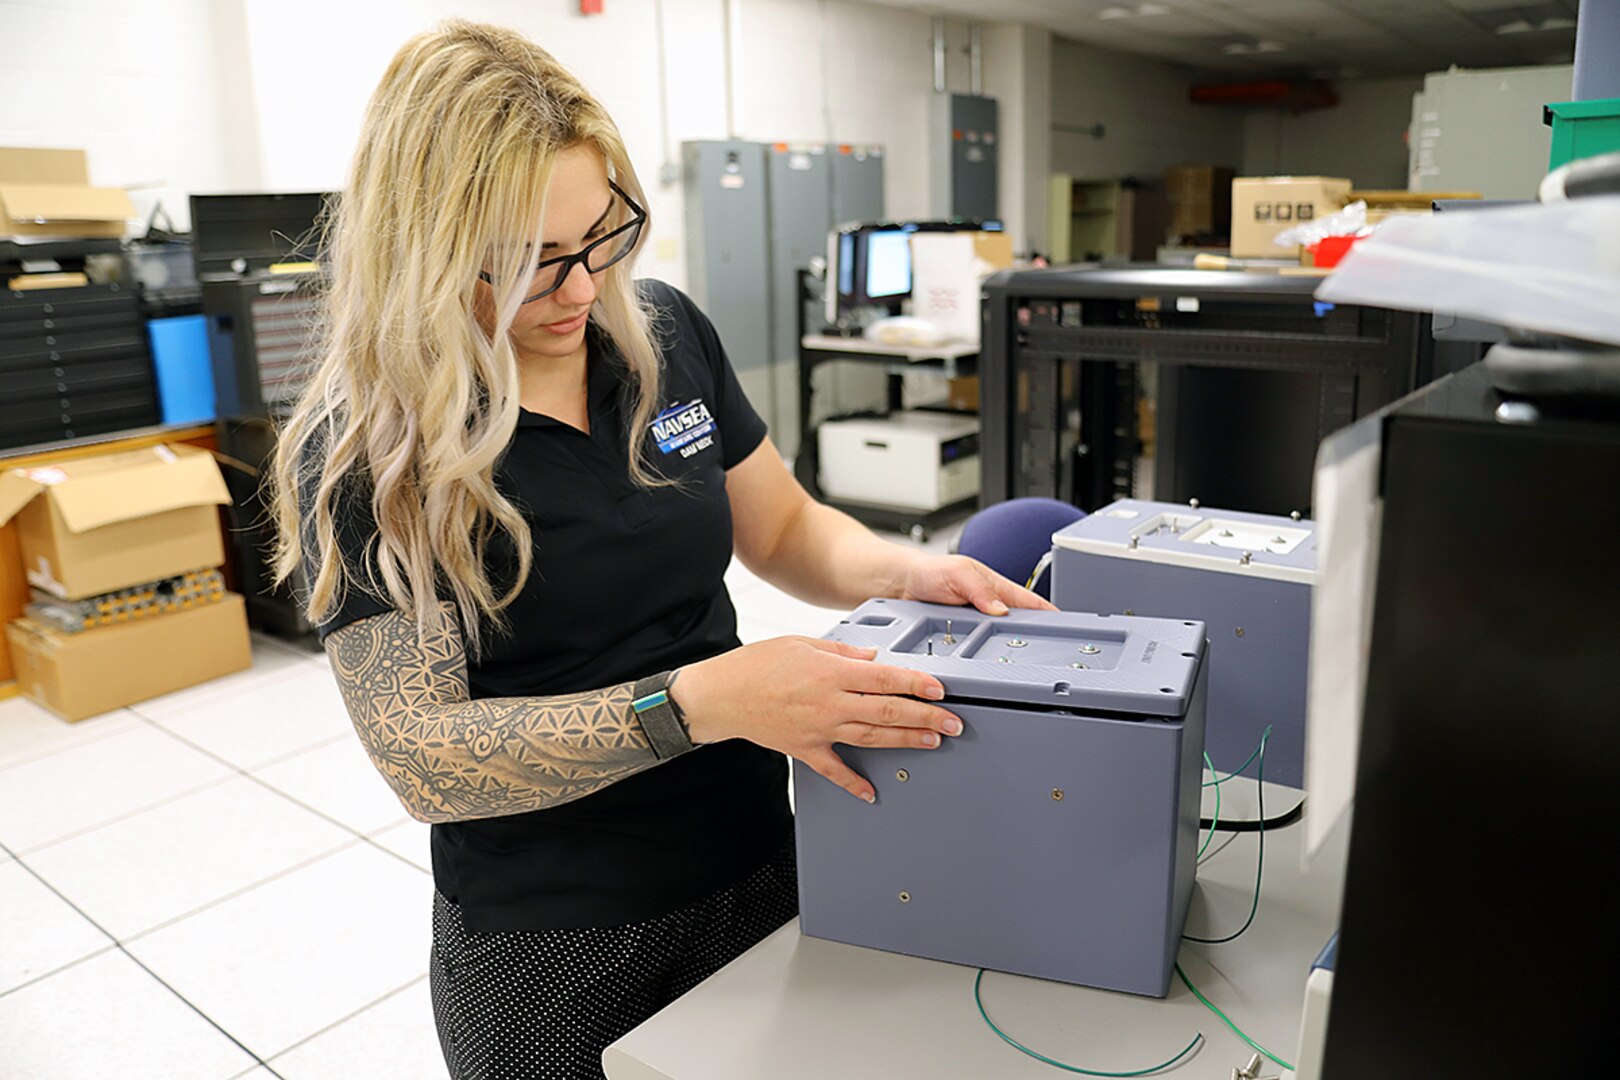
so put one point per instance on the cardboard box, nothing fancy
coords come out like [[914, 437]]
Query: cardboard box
[[962, 393], [47, 193], [1200, 199], [946, 270], [86, 674], [1263, 206], [98, 524]]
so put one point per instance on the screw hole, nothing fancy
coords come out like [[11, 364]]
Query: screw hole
[[1190, 656], [905, 898], [1060, 688], [1166, 690]]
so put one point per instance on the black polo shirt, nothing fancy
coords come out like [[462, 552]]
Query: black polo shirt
[[626, 582]]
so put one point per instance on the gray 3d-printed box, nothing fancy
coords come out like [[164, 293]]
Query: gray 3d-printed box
[[1247, 577], [1056, 836]]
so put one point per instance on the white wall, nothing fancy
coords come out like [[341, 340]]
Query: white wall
[[1018, 74], [1142, 104], [1363, 137], [213, 95], [143, 85]]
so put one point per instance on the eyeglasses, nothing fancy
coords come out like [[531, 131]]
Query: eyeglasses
[[597, 256]]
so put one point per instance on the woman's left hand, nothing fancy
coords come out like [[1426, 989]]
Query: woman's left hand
[[957, 579]]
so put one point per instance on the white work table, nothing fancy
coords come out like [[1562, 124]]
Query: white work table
[[800, 1008]]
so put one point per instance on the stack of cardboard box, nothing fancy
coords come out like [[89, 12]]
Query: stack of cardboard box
[[127, 523], [1200, 200]]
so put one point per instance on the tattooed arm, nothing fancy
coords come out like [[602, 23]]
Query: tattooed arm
[[452, 759]]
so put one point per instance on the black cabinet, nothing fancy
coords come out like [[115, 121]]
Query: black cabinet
[[1104, 383], [73, 362]]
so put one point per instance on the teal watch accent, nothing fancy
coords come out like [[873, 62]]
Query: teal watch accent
[[659, 716]]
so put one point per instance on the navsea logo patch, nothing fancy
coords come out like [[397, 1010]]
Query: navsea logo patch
[[684, 428]]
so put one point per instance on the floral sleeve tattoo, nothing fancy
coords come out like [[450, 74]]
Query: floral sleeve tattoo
[[452, 759]]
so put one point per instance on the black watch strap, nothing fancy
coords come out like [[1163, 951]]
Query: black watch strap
[[659, 717]]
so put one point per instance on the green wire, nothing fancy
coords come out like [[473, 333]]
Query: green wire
[[1260, 859], [1227, 1020], [1216, 820], [978, 1000], [1219, 780]]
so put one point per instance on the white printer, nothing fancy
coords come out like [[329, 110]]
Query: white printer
[[914, 460]]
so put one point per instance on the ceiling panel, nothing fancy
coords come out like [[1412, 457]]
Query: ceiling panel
[[1369, 36]]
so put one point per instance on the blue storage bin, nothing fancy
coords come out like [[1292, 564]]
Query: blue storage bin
[[185, 377]]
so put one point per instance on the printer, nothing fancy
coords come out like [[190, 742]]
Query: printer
[[1056, 836], [914, 460]]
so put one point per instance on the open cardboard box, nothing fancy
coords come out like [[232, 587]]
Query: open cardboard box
[[46, 194], [98, 524]]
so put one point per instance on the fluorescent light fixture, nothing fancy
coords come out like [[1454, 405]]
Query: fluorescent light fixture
[[1237, 48], [1119, 11], [1269, 46], [1517, 26], [1558, 22]]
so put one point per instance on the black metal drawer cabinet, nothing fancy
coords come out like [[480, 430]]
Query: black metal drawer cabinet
[[73, 362]]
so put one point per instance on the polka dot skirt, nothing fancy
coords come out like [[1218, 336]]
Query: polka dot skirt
[[542, 1005]]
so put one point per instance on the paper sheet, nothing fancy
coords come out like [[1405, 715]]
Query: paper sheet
[[1346, 506]]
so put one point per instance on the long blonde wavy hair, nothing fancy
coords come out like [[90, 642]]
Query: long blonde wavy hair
[[411, 396]]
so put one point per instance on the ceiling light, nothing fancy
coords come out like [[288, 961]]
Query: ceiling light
[[1118, 11], [1517, 26], [1237, 48], [1557, 22], [1269, 46]]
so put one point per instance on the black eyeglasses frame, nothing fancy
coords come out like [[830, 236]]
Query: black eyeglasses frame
[[568, 262]]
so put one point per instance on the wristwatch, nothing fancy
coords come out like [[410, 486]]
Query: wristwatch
[[660, 717]]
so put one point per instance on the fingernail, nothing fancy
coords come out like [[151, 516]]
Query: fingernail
[[869, 797], [953, 726], [997, 608], [933, 693], [930, 739]]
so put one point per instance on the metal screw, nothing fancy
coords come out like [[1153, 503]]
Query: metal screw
[[950, 639], [1193, 503], [905, 898], [1057, 794], [1135, 541], [1238, 631], [1017, 643], [1278, 540], [1226, 532], [1247, 557], [1128, 611], [1294, 514], [1003, 659], [930, 646], [1078, 664], [901, 775], [1090, 650]]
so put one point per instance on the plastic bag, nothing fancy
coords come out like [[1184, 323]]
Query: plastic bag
[[1351, 221], [1552, 268]]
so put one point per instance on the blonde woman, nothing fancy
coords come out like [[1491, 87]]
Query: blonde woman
[[513, 487]]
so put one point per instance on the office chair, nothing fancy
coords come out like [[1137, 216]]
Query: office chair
[[1013, 537]]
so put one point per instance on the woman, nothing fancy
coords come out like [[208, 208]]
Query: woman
[[513, 487]]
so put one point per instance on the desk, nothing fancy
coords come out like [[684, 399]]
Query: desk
[[896, 360], [798, 1008]]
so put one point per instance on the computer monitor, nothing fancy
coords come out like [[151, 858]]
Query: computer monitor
[[869, 263]]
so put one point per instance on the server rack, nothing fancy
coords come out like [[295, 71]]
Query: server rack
[[1105, 383], [74, 362]]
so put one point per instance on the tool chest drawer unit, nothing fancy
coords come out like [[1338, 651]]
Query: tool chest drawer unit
[[73, 362]]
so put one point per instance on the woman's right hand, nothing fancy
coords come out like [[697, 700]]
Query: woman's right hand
[[801, 695]]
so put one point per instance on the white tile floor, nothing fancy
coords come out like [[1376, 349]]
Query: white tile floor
[[216, 884]]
